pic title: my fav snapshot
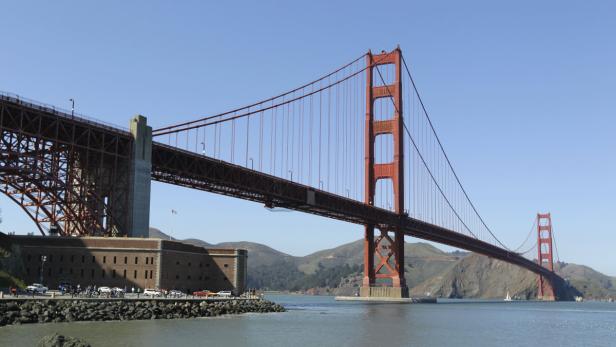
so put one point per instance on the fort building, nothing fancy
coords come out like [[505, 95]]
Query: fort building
[[129, 262]]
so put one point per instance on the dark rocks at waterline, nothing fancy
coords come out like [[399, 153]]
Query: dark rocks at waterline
[[56, 340], [45, 311]]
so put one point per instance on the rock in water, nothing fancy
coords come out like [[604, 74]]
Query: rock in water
[[57, 340]]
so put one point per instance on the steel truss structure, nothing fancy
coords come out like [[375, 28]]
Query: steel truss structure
[[69, 174]]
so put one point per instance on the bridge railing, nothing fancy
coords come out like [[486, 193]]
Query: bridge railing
[[15, 98]]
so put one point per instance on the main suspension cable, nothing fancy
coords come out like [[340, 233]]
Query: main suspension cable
[[423, 160], [527, 236], [425, 112], [262, 101]]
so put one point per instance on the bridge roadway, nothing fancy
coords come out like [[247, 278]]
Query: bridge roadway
[[176, 166], [188, 169]]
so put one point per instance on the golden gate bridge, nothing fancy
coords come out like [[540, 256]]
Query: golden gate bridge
[[356, 144]]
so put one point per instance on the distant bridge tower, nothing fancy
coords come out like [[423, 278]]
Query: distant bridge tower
[[545, 255], [384, 255]]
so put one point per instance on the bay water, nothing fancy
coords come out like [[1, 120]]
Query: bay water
[[321, 321]]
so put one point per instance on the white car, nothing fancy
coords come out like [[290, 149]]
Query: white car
[[176, 293], [224, 294], [104, 290], [152, 292], [36, 288], [117, 290]]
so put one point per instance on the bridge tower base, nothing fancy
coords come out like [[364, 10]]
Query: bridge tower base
[[384, 253], [545, 288]]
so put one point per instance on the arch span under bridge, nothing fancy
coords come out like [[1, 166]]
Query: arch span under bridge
[[356, 144]]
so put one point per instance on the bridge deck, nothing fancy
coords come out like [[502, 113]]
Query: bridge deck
[[184, 168]]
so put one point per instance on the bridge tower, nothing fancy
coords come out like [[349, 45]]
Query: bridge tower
[[384, 254], [140, 178], [545, 257]]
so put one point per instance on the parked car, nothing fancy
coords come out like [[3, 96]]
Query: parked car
[[176, 294], [117, 290], [64, 287], [152, 292], [36, 288], [104, 290], [224, 293], [204, 293]]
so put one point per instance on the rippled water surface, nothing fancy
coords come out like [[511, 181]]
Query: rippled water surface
[[320, 321]]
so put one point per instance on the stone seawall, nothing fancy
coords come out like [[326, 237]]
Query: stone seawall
[[22, 311]]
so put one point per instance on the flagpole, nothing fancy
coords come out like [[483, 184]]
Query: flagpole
[[173, 212]]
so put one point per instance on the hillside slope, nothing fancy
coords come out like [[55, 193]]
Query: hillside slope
[[428, 269]]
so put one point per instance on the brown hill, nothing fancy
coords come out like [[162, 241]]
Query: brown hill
[[428, 270]]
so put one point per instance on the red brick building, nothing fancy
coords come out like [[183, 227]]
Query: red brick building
[[130, 262]]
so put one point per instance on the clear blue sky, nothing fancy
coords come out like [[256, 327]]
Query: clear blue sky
[[522, 94]]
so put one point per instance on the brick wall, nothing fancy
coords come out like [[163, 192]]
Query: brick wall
[[131, 262]]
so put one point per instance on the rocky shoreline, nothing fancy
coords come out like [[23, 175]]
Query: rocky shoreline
[[72, 310]]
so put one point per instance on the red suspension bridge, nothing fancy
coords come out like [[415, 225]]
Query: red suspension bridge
[[356, 145]]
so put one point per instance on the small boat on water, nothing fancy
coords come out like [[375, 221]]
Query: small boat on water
[[508, 297]]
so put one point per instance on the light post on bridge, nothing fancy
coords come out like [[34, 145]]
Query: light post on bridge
[[43, 260], [72, 106]]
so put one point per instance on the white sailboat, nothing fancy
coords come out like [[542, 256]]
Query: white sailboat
[[508, 297]]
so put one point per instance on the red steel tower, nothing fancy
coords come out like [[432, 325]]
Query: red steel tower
[[545, 257], [384, 254]]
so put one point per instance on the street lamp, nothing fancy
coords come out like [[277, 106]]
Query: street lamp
[[43, 260], [72, 107], [203, 150]]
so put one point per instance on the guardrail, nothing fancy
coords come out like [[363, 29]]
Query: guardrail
[[60, 112]]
